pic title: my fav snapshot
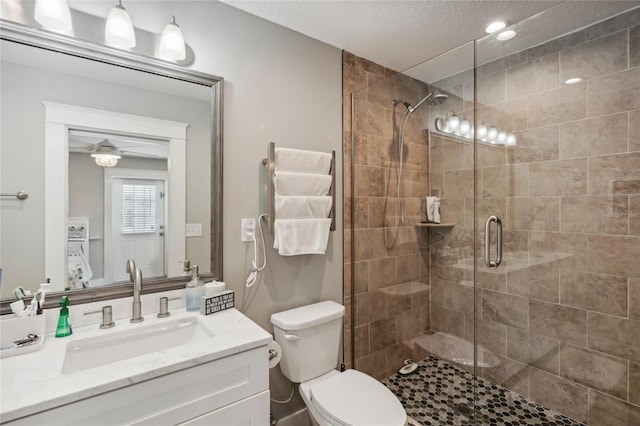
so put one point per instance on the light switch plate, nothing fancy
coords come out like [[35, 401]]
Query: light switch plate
[[193, 230], [248, 228]]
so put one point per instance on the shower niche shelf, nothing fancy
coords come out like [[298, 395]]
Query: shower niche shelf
[[435, 225]]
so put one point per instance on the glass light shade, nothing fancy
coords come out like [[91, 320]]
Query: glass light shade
[[53, 14], [501, 138], [119, 29], [482, 131], [495, 26], [453, 123], [492, 134], [511, 139], [465, 126], [172, 42], [106, 160]]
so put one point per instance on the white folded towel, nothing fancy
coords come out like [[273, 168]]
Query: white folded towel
[[296, 160], [288, 183], [301, 207], [301, 236]]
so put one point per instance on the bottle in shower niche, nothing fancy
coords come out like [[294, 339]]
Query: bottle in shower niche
[[433, 209], [194, 291]]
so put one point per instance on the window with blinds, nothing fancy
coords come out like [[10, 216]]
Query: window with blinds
[[139, 208]]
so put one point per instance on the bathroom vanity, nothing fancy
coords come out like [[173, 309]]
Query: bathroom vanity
[[218, 374]]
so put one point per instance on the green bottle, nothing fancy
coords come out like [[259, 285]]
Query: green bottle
[[64, 328]]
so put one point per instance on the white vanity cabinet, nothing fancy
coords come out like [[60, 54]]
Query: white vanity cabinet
[[229, 391]]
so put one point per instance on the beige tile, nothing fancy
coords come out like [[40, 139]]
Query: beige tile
[[533, 349], [490, 335], [447, 321], [598, 371], [369, 244], [370, 181], [533, 281], [615, 255], [361, 341], [616, 336], [557, 44], [451, 295], [407, 325], [614, 93], [380, 90], [534, 76], [559, 249], [452, 210], [503, 63], [504, 308], [446, 157], [381, 272], [560, 322], [594, 292], [613, 25], [536, 144], [533, 213], [360, 277], [564, 177], [366, 65], [594, 136], [510, 374], [488, 155], [634, 130], [567, 103], [408, 268], [458, 184], [371, 306], [603, 56], [361, 212], [510, 115], [378, 151], [634, 383], [615, 174], [490, 280], [490, 88], [373, 120], [374, 364], [604, 214], [382, 334], [505, 181], [634, 46], [562, 395], [607, 411], [634, 298]]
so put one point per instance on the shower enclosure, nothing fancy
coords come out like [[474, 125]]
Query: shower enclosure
[[524, 303]]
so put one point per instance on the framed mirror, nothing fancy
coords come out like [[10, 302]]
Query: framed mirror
[[64, 101]]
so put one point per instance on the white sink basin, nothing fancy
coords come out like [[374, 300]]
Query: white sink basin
[[90, 352]]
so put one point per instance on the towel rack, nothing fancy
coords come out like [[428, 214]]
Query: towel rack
[[270, 163], [20, 195]]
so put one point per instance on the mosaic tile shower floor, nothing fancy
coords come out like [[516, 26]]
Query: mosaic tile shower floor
[[439, 393]]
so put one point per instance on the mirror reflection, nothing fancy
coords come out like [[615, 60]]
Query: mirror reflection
[[110, 213]]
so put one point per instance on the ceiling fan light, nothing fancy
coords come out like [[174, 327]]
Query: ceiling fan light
[[106, 154], [119, 29], [53, 14], [172, 42]]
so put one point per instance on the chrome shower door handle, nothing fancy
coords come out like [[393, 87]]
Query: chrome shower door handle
[[487, 242]]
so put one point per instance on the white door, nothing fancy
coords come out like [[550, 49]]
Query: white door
[[137, 229]]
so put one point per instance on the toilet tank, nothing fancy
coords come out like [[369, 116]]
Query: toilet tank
[[310, 339]]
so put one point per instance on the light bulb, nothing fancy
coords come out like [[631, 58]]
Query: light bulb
[[106, 160], [492, 133], [502, 137], [465, 126], [119, 29], [482, 131], [506, 35], [511, 139], [53, 14], [573, 80], [453, 123], [172, 42]]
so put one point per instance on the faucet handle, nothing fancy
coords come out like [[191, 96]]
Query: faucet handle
[[164, 306], [107, 316], [187, 265]]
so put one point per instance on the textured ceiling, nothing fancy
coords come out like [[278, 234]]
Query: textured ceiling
[[400, 34]]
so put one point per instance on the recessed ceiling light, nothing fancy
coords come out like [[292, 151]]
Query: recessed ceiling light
[[495, 26], [573, 80], [506, 35]]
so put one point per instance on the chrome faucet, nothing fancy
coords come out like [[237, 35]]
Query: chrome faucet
[[137, 305], [131, 269]]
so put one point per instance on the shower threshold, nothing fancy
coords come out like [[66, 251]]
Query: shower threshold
[[439, 393]]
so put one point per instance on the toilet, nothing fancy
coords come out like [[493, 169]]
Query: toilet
[[310, 341]]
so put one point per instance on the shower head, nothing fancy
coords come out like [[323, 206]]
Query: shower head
[[433, 98]]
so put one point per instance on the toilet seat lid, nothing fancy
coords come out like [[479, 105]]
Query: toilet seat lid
[[354, 398]]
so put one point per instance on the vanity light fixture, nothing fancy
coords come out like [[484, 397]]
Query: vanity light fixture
[[172, 42], [106, 154], [573, 80], [506, 35], [495, 26], [53, 14], [485, 134], [119, 29]]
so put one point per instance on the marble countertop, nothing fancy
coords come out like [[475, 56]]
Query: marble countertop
[[33, 382]]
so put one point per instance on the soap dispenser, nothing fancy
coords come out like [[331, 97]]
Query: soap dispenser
[[64, 328], [194, 291]]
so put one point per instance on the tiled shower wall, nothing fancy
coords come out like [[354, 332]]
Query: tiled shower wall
[[562, 314], [391, 303]]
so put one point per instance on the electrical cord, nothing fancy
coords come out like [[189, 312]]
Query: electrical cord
[[253, 275], [293, 388]]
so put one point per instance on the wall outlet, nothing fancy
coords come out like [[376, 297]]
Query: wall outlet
[[248, 228], [193, 230]]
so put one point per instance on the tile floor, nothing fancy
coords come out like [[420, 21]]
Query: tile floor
[[439, 393]]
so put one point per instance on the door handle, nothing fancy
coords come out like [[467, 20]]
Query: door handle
[[487, 242]]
